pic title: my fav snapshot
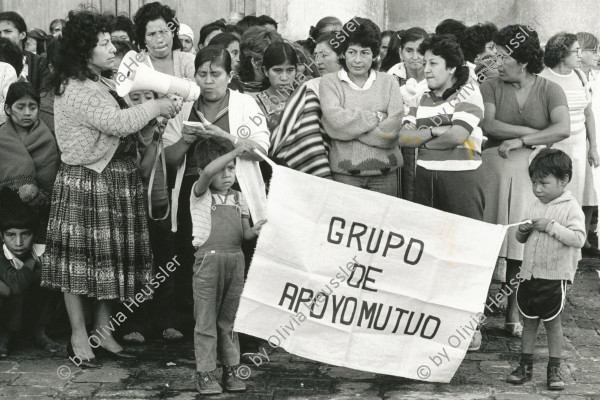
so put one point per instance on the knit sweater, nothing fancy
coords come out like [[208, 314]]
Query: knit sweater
[[361, 145], [554, 254], [89, 123]]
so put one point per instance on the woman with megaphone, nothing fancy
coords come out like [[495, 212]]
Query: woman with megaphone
[[97, 241]]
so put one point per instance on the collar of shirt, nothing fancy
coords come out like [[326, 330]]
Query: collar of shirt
[[343, 76], [25, 70], [36, 251]]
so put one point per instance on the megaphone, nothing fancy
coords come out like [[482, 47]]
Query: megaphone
[[134, 75]]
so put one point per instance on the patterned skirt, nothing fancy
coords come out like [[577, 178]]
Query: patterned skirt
[[97, 242]]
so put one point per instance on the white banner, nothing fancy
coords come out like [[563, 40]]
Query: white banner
[[362, 280]]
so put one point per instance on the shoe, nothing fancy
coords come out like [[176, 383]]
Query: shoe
[[207, 384], [134, 337], [3, 350], [231, 381], [172, 335], [522, 374], [475, 342], [121, 355], [514, 328], [85, 363], [554, 377]]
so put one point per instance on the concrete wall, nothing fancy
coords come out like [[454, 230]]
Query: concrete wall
[[296, 16]]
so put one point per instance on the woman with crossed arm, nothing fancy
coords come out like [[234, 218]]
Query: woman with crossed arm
[[522, 110]]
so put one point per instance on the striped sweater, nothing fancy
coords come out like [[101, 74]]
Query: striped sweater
[[554, 254], [463, 108], [300, 141], [574, 86]]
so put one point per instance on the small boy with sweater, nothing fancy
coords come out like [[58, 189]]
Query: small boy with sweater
[[220, 220], [552, 242]]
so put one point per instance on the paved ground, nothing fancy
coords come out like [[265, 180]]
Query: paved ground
[[28, 373]]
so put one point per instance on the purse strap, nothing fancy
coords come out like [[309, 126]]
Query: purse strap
[[160, 151]]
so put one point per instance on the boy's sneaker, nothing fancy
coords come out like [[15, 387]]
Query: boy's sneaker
[[555, 381], [206, 383], [522, 374], [231, 381], [475, 342]]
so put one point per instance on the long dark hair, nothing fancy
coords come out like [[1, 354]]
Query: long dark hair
[[393, 53], [78, 40]]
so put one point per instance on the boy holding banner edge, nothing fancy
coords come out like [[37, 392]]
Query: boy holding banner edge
[[552, 242], [220, 220]]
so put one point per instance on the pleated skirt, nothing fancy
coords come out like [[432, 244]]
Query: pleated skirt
[[97, 242]]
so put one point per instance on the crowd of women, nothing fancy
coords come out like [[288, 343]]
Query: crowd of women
[[449, 119]]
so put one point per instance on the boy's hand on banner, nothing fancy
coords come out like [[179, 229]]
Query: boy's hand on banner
[[525, 228], [258, 226], [243, 147], [540, 224]]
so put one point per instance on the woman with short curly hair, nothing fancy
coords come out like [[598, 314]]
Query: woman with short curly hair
[[563, 59], [157, 32], [97, 242], [522, 110], [362, 112]]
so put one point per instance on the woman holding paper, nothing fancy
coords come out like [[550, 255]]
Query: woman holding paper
[[211, 114], [522, 110]]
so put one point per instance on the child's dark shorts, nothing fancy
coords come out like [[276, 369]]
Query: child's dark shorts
[[541, 298]]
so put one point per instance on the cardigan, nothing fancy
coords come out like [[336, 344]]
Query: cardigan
[[245, 121], [89, 123], [360, 143], [554, 254]]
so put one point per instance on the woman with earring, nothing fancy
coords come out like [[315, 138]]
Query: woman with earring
[[97, 245], [562, 57], [522, 110]]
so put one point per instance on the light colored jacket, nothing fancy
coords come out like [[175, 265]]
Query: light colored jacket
[[246, 121], [554, 254]]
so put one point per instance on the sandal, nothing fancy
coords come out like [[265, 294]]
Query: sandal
[[514, 328], [134, 337], [172, 334]]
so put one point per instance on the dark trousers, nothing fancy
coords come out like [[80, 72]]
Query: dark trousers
[[159, 312], [33, 308], [455, 192]]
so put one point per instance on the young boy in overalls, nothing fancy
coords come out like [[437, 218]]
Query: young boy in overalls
[[220, 221]]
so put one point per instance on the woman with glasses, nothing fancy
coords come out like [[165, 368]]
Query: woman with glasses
[[590, 57], [479, 50], [522, 110], [562, 57]]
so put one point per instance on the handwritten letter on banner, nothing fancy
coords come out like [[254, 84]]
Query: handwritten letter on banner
[[357, 279]]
